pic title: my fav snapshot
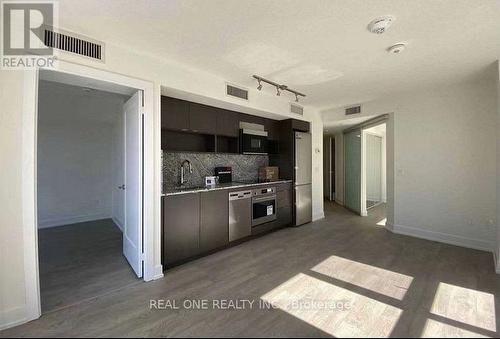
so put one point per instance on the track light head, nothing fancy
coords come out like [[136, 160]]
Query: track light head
[[296, 97], [278, 93], [260, 85]]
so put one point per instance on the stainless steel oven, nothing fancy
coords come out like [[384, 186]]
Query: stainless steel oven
[[263, 205]]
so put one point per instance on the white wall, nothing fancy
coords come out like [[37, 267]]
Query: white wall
[[12, 293], [122, 60], [443, 142], [75, 152]]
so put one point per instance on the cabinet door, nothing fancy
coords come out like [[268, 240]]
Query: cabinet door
[[271, 127], [181, 227], [251, 119], [283, 216], [228, 123], [214, 224], [300, 125], [284, 198], [202, 119], [174, 114]]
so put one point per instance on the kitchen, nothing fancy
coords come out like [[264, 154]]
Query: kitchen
[[229, 177]]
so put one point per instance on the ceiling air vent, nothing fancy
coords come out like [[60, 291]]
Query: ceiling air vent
[[72, 43], [236, 92], [296, 109], [353, 110]]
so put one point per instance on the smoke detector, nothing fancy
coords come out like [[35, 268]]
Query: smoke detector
[[397, 48], [381, 24]]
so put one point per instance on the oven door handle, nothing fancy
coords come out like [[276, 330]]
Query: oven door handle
[[269, 197]]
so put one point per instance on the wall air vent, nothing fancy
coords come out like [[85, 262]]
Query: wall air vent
[[73, 43], [296, 109], [353, 110], [236, 92]]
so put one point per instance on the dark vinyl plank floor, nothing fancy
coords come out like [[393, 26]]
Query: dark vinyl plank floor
[[382, 285], [81, 261]]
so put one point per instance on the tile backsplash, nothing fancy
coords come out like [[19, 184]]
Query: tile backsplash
[[245, 167]]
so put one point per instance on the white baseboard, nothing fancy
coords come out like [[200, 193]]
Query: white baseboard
[[446, 238], [12, 317], [158, 272], [54, 222], [341, 203], [118, 223]]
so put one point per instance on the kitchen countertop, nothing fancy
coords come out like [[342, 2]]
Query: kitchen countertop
[[231, 185]]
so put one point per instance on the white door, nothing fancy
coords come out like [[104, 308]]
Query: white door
[[132, 230]]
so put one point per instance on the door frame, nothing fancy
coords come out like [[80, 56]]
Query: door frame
[[332, 173], [364, 209], [363, 169], [388, 120], [151, 178]]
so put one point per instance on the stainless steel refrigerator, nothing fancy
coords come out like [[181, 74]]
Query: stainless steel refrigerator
[[302, 178]]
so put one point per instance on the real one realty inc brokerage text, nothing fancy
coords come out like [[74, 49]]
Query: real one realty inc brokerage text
[[243, 304]]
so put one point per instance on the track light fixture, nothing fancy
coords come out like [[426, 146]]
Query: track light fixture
[[260, 85], [279, 88]]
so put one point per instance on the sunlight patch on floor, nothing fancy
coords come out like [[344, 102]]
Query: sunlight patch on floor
[[382, 222], [465, 305], [388, 283], [437, 329], [332, 309]]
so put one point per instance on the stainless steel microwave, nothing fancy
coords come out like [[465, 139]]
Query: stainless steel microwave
[[253, 142]]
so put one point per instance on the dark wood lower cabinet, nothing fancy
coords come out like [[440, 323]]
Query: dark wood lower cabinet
[[181, 227], [197, 223], [214, 224], [284, 216]]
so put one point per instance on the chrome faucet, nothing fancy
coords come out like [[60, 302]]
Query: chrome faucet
[[183, 180]]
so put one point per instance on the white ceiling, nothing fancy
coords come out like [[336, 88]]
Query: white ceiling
[[320, 47], [333, 127]]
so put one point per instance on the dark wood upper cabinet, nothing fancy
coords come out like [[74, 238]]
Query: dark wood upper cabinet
[[300, 125], [174, 114], [202, 119], [252, 119], [272, 128], [228, 123], [193, 127]]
